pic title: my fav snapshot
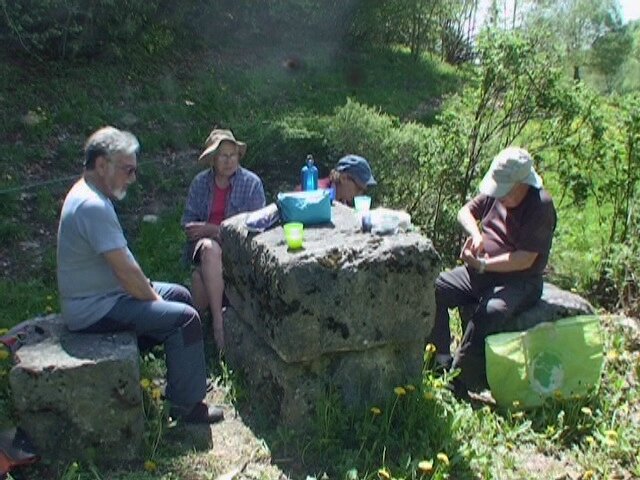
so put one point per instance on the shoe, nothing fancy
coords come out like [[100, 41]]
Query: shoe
[[442, 364], [203, 413]]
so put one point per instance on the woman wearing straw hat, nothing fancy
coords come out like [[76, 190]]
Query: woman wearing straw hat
[[219, 192]]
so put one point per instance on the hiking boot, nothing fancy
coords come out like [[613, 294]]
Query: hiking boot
[[203, 413], [442, 364]]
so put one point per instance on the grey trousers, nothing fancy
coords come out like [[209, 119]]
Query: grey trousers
[[489, 301], [172, 322]]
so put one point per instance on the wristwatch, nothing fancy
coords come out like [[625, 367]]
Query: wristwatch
[[483, 265]]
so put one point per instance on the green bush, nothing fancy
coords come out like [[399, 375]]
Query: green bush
[[70, 28]]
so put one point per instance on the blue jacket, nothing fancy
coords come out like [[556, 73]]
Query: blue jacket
[[247, 195]]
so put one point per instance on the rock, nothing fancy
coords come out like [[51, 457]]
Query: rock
[[630, 328], [31, 118], [350, 312], [290, 391], [554, 304], [78, 396], [129, 120], [344, 291]]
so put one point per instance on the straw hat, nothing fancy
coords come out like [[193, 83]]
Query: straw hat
[[215, 138]]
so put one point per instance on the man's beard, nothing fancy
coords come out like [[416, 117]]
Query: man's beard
[[119, 194]]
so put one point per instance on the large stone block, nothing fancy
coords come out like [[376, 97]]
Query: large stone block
[[554, 304], [78, 395], [290, 392], [344, 291]]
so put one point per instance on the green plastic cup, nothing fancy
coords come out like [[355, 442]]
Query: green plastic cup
[[293, 234]]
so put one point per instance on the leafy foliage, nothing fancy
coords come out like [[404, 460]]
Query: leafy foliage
[[62, 29]]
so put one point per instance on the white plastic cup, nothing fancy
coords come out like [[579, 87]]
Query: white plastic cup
[[362, 203]]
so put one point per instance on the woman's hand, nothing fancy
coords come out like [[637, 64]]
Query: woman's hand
[[198, 230]]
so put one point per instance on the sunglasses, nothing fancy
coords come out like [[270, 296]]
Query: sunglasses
[[128, 169]]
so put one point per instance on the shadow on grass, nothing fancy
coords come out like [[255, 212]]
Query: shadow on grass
[[413, 430]]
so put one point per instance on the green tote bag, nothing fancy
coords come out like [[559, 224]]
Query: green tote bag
[[562, 358]]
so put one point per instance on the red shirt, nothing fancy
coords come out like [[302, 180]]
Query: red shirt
[[218, 204]]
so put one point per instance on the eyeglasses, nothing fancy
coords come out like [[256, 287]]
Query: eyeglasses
[[224, 156], [130, 170]]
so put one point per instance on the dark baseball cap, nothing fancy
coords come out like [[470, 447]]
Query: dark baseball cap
[[358, 168]]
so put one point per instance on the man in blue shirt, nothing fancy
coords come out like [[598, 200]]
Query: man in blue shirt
[[102, 287]]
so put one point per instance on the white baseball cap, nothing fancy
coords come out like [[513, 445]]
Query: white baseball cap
[[511, 166]]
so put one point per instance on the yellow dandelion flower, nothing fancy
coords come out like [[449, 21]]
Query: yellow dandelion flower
[[4, 354], [443, 458], [590, 440], [587, 411], [383, 474], [399, 391], [428, 395], [611, 433], [425, 466], [430, 348], [145, 383], [376, 411], [150, 466], [588, 475], [3, 331], [612, 355], [410, 388], [156, 393]]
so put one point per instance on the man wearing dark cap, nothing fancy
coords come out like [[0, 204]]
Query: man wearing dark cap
[[350, 178], [510, 226]]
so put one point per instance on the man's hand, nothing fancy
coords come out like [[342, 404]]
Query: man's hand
[[477, 245], [130, 275], [469, 256], [198, 230]]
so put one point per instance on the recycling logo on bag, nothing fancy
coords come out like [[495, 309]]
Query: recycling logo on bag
[[547, 373], [562, 358]]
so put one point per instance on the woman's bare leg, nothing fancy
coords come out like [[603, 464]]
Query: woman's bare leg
[[198, 292], [211, 275]]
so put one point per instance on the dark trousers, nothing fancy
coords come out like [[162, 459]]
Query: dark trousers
[[173, 322], [488, 300]]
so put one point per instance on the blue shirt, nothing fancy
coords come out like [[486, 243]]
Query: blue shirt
[[88, 228], [247, 195]]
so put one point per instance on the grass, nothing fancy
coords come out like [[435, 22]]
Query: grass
[[171, 104]]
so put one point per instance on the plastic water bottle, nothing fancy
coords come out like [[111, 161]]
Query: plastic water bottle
[[309, 175]]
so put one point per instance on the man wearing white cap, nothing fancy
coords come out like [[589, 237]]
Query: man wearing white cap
[[510, 226]]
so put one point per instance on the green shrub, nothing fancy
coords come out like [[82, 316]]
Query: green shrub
[[71, 28]]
